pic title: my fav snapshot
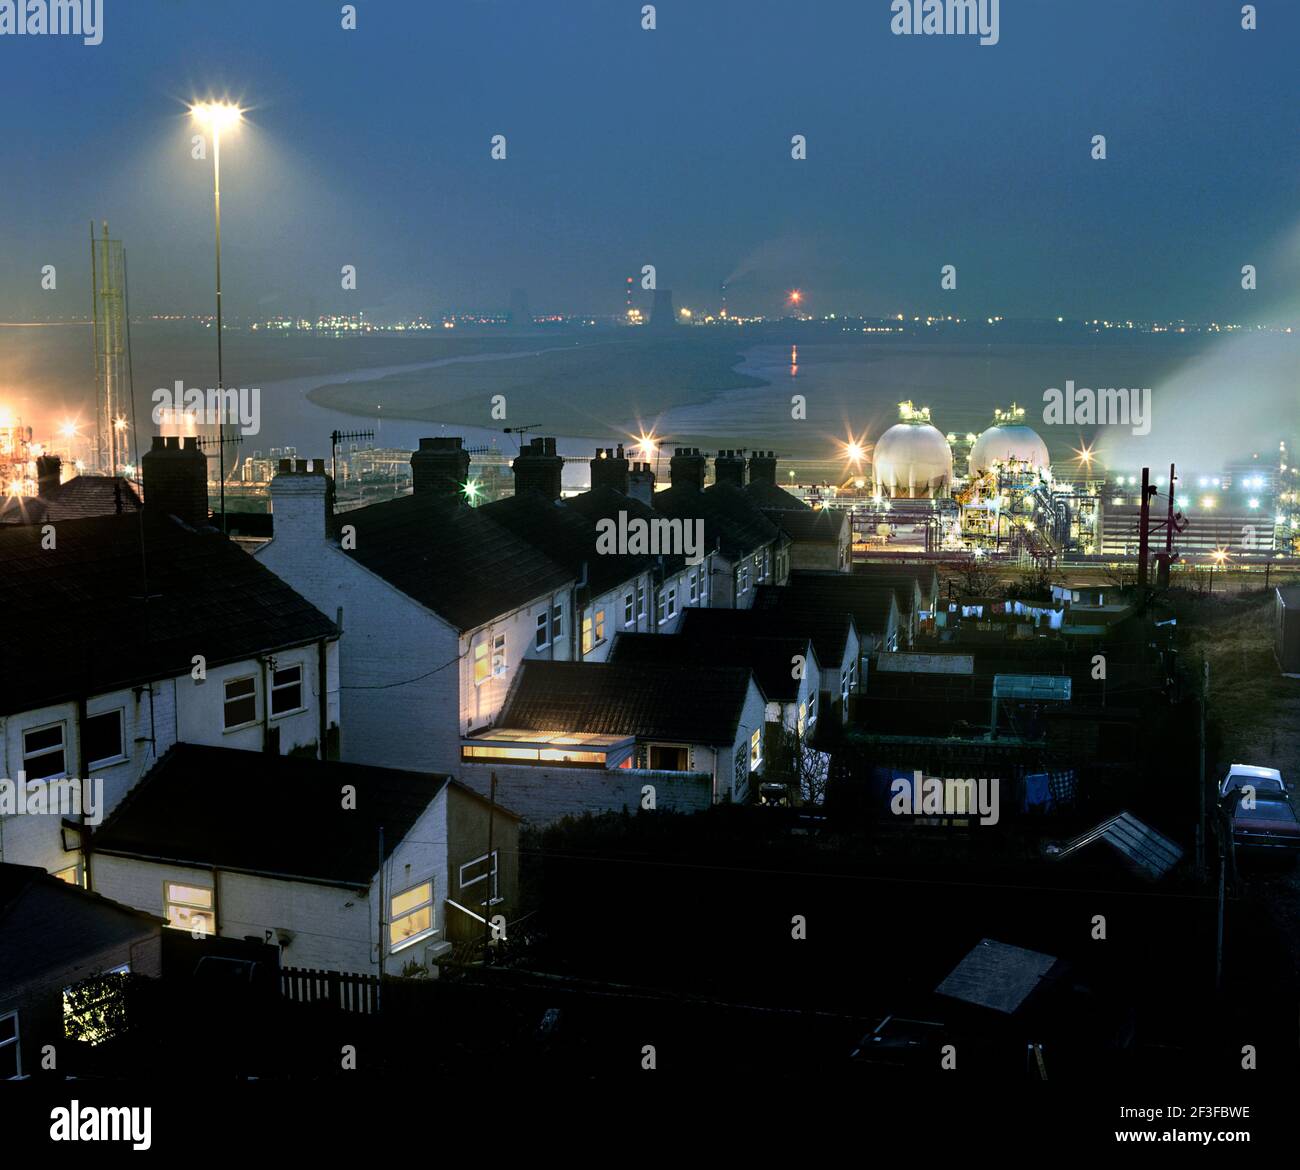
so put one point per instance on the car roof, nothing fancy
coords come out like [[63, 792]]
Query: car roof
[[1253, 770]]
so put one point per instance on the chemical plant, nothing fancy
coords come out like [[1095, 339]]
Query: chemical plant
[[997, 493]]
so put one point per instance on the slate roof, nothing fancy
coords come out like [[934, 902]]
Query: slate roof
[[88, 923], [924, 575], [732, 521], [78, 498], [769, 495], [868, 600], [770, 658], [607, 502], [76, 621], [776, 610], [267, 814], [702, 705], [567, 536], [455, 560], [825, 526]]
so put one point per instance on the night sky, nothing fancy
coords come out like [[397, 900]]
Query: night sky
[[671, 147]]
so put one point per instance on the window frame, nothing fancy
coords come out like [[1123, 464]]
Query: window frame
[[542, 633], [557, 624], [226, 700], [500, 663], [493, 871], [431, 902], [756, 750], [209, 911], [300, 684], [120, 756], [62, 750], [629, 609], [16, 1043]]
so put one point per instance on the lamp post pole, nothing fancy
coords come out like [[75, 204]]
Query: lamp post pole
[[221, 385]]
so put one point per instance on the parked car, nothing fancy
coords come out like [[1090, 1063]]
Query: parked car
[[1261, 779], [1271, 826]]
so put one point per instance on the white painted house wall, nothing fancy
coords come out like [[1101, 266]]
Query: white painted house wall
[[407, 674], [183, 710], [317, 924]]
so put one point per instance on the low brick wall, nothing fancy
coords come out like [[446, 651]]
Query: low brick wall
[[543, 795]]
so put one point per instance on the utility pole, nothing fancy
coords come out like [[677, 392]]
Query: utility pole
[[383, 929], [1200, 784], [487, 902], [1224, 844]]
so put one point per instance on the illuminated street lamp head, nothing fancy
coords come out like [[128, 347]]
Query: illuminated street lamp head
[[1220, 555], [217, 116], [796, 297]]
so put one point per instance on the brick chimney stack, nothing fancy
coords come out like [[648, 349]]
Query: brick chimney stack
[[176, 480], [302, 502], [729, 467], [49, 471], [440, 468], [641, 483], [687, 468], [762, 467], [609, 468], [539, 468]]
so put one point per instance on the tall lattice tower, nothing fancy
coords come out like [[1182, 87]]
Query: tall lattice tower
[[108, 315]]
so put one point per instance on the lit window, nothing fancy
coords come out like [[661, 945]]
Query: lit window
[[482, 665], [498, 656], [241, 702], [286, 690], [410, 916], [478, 873], [102, 741], [755, 750], [92, 1008], [803, 717], [189, 907], [71, 875], [11, 1064], [43, 754], [543, 631], [629, 609], [812, 708]]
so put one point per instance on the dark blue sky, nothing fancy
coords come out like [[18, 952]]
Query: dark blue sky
[[669, 147]]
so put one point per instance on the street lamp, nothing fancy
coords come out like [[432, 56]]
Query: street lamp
[[216, 117]]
